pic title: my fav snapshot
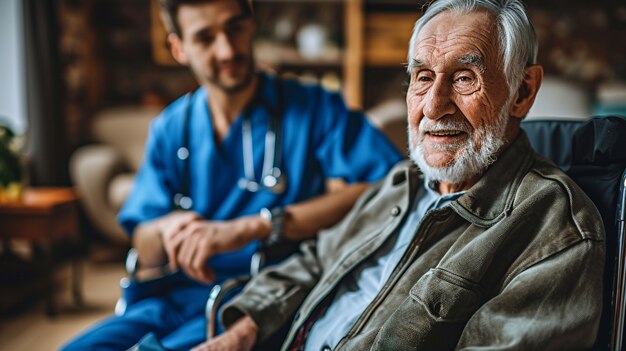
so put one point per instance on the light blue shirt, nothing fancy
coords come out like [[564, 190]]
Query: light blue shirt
[[359, 289]]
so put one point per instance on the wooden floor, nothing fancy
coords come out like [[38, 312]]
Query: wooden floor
[[33, 330]]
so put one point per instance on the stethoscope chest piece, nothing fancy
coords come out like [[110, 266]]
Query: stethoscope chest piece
[[183, 202], [275, 181], [249, 185]]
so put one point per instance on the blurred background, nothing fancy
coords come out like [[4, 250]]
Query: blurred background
[[81, 79]]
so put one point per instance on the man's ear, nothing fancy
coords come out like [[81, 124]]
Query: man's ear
[[527, 91], [176, 47]]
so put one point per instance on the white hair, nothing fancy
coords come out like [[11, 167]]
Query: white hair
[[518, 41]]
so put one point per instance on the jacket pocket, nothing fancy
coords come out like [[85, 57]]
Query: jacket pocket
[[432, 316], [446, 297]]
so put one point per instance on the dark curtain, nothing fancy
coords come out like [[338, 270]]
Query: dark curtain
[[44, 95]]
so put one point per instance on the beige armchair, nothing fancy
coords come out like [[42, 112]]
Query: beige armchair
[[390, 117], [103, 172]]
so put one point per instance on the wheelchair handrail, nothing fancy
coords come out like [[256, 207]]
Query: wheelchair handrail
[[220, 290], [216, 295], [257, 263], [215, 299], [620, 281], [131, 263]]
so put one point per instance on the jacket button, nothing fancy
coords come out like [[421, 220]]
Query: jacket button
[[326, 348], [395, 211]]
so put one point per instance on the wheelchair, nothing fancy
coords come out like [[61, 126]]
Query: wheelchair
[[591, 152], [133, 289]]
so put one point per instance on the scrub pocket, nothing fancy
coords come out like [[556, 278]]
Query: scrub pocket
[[433, 315]]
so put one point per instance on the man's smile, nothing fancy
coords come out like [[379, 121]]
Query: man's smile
[[445, 136], [232, 67]]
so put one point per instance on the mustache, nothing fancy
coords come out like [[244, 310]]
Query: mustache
[[238, 59], [452, 123], [427, 125]]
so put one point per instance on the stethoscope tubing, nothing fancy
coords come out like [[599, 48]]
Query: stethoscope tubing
[[272, 177]]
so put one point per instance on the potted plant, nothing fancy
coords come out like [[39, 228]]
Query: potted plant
[[11, 185]]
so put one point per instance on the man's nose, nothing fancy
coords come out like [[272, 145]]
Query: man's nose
[[223, 47], [438, 102]]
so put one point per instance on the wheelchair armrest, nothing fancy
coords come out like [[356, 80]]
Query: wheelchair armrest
[[215, 299], [131, 263], [220, 290], [267, 255], [133, 277], [131, 269]]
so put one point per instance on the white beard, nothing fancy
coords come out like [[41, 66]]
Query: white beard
[[478, 152]]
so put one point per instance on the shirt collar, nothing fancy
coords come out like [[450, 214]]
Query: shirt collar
[[431, 190], [491, 198]]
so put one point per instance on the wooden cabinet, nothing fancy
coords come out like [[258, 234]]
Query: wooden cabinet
[[373, 38], [386, 30], [386, 37]]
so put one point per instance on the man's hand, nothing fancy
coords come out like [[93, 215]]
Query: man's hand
[[199, 240], [152, 239], [170, 227], [187, 242], [240, 337]]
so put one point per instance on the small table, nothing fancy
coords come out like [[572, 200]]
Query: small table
[[42, 217]]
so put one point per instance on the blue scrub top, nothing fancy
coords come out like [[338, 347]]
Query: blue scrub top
[[321, 139]]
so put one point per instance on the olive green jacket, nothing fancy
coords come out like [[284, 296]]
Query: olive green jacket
[[515, 263]]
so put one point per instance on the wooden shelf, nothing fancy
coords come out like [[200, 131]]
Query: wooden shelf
[[387, 38], [370, 38], [276, 56], [160, 51]]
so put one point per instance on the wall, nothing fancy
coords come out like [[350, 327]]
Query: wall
[[12, 88], [581, 42]]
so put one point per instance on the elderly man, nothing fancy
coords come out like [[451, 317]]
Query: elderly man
[[484, 246]]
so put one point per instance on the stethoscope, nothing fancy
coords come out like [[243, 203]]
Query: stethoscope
[[272, 177]]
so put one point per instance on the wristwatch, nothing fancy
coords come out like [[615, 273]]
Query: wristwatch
[[275, 216]]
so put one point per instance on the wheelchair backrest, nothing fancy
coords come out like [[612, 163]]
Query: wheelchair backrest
[[593, 153]]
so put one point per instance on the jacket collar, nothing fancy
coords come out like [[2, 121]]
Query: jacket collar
[[491, 198]]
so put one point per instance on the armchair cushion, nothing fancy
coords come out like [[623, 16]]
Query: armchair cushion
[[119, 188], [103, 172]]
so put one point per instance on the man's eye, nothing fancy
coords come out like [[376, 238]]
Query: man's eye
[[420, 83], [422, 77], [235, 28], [465, 83], [205, 39]]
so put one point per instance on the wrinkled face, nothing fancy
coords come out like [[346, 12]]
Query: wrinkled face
[[458, 99], [217, 43]]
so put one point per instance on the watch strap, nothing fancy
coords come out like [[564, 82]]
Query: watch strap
[[275, 216]]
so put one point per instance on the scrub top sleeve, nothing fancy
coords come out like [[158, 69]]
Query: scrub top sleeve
[[150, 196], [354, 150]]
